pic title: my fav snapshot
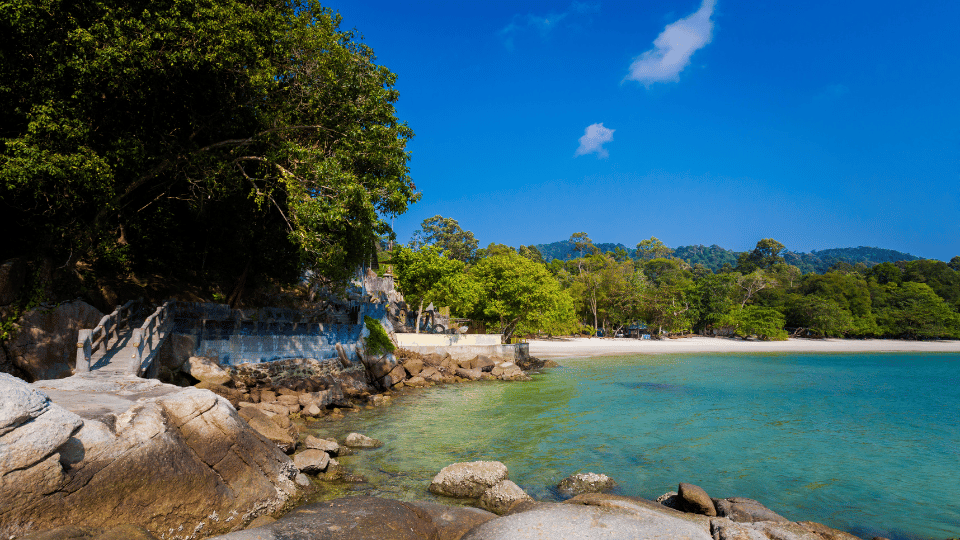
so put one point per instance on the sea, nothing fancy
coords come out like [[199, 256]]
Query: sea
[[866, 443]]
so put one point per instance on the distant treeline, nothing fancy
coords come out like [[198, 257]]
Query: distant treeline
[[714, 257]]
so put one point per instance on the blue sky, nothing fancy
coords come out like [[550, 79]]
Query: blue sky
[[819, 124]]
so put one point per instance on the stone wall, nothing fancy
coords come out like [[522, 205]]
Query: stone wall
[[459, 346]]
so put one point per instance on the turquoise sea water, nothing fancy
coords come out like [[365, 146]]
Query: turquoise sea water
[[868, 443]]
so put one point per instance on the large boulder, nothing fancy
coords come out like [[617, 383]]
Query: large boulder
[[468, 479], [585, 483], [725, 529], [357, 440], [745, 510], [170, 460], [694, 499], [266, 427], [576, 521], [45, 345], [453, 521], [312, 461], [329, 446], [352, 518]]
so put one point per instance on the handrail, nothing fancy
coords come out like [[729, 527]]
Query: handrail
[[142, 337], [89, 341]]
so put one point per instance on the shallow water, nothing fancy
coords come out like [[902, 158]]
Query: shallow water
[[867, 443]]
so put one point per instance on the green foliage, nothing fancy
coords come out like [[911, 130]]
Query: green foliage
[[378, 342], [822, 316], [914, 311], [652, 248], [765, 323], [228, 138], [713, 257], [763, 257], [519, 295], [446, 236]]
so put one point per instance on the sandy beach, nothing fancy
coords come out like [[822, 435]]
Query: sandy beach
[[583, 347]]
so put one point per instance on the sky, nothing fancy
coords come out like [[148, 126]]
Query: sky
[[819, 124]]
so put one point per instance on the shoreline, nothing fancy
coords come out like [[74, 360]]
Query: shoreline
[[583, 347]]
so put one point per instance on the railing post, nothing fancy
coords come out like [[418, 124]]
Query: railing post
[[137, 341], [83, 352]]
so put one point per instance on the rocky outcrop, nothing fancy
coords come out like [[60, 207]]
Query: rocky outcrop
[[205, 370], [468, 479], [180, 463], [726, 529], [453, 522], [585, 483], [44, 345], [353, 518]]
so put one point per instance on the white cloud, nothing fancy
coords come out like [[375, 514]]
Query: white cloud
[[673, 48], [543, 24], [593, 140]]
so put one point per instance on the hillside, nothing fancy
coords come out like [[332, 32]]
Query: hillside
[[714, 257]]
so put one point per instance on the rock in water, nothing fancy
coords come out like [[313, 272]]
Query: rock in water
[[585, 483], [356, 440], [312, 461], [468, 479], [453, 521], [501, 497], [695, 499], [174, 462]]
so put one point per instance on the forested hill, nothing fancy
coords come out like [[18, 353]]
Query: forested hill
[[714, 257]]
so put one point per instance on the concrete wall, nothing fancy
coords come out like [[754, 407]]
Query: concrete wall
[[459, 346]]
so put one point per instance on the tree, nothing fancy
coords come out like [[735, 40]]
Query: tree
[[518, 294], [425, 276], [531, 252], [446, 235], [233, 138], [955, 263], [652, 248], [913, 310], [581, 242], [765, 323], [821, 316], [767, 253]]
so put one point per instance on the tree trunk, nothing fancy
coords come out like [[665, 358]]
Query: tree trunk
[[419, 314]]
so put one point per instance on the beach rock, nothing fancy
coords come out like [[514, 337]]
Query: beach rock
[[501, 497], [397, 374], [468, 479], [431, 374], [312, 461], [694, 499], [327, 445], [45, 345], [267, 396], [670, 500], [291, 401], [575, 521], [352, 518], [205, 370], [415, 382], [230, 394], [469, 374], [483, 363], [172, 461], [356, 440], [121, 532], [725, 529], [585, 483], [744, 510], [312, 410], [827, 533], [266, 427], [453, 522], [413, 366]]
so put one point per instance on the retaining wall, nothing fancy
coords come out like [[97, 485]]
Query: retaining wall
[[459, 346]]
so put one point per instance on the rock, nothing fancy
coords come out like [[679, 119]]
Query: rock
[[468, 479], [397, 374], [453, 521], [378, 367], [413, 366], [745, 510], [173, 461], [266, 427], [356, 440], [265, 520], [431, 374], [352, 518], [327, 445], [302, 480], [501, 497], [230, 394], [585, 483], [205, 370], [69, 532], [267, 396], [45, 345], [695, 499], [313, 410], [670, 500], [574, 521], [12, 275], [827, 533], [470, 374], [125, 532], [483, 363], [417, 381], [725, 529], [311, 461], [292, 402]]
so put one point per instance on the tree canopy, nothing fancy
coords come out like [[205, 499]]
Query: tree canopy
[[230, 138], [446, 235]]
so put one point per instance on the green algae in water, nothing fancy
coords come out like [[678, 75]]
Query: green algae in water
[[865, 443]]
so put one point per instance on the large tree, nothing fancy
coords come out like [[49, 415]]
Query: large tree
[[446, 235], [230, 138], [425, 276]]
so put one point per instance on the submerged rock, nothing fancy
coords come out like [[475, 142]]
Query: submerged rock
[[585, 483], [356, 440], [500, 498]]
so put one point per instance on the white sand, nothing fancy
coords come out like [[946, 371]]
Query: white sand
[[583, 347]]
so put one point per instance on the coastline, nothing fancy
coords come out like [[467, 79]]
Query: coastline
[[581, 347]]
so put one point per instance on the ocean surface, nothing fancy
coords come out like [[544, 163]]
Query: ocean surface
[[867, 443]]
